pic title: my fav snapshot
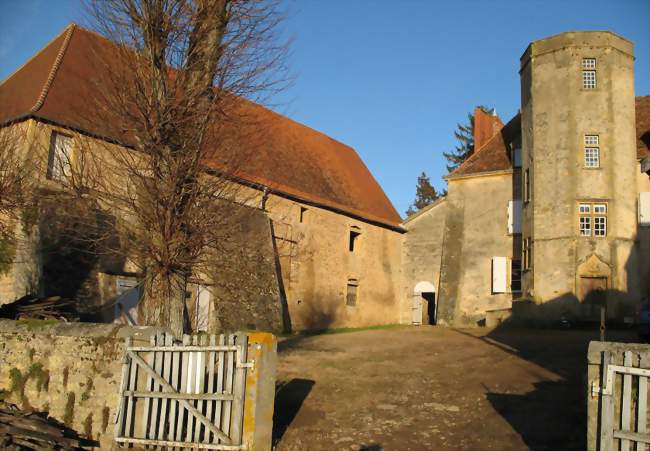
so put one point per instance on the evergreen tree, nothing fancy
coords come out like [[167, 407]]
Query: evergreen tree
[[465, 147], [425, 194]]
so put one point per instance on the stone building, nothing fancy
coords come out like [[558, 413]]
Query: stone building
[[549, 217], [322, 247]]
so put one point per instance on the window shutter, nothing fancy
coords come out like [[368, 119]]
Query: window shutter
[[499, 274], [644, 209], [517, 213], [511, 217]]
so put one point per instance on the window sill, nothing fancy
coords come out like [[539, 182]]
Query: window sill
[[590, 168]]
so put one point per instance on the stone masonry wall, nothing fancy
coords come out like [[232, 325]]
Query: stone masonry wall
[[71, 370]]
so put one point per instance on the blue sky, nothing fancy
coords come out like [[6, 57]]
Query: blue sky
[[390, 78]]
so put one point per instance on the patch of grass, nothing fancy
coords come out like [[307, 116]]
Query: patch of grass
[[32, 324], [342, 330]]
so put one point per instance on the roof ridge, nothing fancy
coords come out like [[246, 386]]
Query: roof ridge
[[55, 68], [476, 152]]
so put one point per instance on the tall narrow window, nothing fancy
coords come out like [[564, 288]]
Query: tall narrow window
[[351, 294], [589, 73], [526, 186], [515, 276], [592, 151], [303, 214], [58, 161], [527, 254], [354, 237], [593, 219]]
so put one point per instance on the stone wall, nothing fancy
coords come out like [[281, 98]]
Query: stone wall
[[71, 370], [422, 251]]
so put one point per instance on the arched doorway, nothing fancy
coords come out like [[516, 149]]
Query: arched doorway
[[424, 304]]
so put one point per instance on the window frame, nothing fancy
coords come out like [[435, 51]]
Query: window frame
[[57, 169], [591, 144], [514, 271], [526, 254], [526, 193], [354, 284], [592, 219]]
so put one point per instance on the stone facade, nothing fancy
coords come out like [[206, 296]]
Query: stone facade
[[517, 200]]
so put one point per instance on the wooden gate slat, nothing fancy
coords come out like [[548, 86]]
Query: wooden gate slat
[[220, 377], [173, 408], [120, 413], [227, 405], [155, 402], [209, 411], [182, 388], [133, 380], [239, 388], [191, 382], [607, 408], [149, 387], [200, 385], [167, 359], [626, 402]]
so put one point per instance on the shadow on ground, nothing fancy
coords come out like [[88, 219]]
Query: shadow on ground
[[289, 397], [554, 414]]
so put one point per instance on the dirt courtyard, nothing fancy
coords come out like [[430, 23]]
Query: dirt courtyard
[[433, 388]]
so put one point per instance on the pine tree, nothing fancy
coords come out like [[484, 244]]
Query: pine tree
[[465, 137], [425, 194]]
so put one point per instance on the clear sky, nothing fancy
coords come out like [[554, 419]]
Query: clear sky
[[391, 78]]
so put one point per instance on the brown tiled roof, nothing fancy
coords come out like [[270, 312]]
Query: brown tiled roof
[[643, 126], [494, 154], [58, 83]]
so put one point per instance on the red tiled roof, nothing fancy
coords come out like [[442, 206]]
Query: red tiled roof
[[58, 83], [494, 154], [643, 126]]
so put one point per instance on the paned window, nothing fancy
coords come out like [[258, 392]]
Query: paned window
[[593, 219], [592, 151], [589, 73]]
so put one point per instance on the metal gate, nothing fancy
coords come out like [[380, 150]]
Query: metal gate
[[187, 394], [623, 403]]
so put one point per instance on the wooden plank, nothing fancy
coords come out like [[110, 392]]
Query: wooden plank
[[607, 407], [120, 413], [155, 402], [182, 388], [144, 419], [174, 407], [632, 436], [187, 347], [221, 370], [230, 370], [173, 444], [167, 368], [239, 389], [130, 407], [200, 386], [175, 396], [626, 404], [209, 412], [186, 404], [642, 404], [191, 387]]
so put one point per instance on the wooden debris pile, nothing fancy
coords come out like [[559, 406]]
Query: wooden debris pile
[[54, 307], [20, 430]]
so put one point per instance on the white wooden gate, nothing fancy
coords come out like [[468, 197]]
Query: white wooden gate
[[184, 395], [623, 404]]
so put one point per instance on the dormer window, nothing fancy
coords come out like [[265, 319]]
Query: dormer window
[[589, 73]]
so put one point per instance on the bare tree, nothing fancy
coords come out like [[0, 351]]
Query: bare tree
[[179, 76]]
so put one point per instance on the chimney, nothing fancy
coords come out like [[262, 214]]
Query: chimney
[[486, 125]]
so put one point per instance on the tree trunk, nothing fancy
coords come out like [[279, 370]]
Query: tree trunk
[[163, 302]]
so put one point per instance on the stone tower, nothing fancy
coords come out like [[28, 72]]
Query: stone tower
[[578, 174]]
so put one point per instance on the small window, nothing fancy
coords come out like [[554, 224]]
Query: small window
[[355, 232], [351, 295], [593, 219], [515, 276], [526, 186], [589, 79], [303, 214], [592, 151], [58, 161], [589, 63]]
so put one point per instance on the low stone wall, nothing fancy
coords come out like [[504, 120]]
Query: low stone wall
[[73, 371]]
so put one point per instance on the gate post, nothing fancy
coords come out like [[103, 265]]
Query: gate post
[[260, 391]]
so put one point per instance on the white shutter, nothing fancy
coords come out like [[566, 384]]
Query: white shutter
[[644, 209], [499, 274], [511, 218], [517, 213]]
